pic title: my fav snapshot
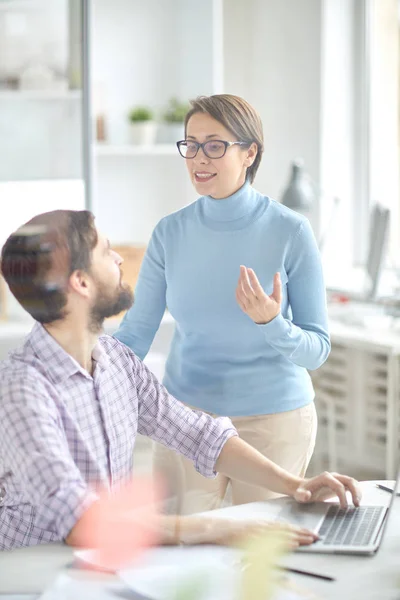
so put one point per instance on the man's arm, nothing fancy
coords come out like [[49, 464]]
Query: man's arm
[[194, 434], [214, 446], [34, 448], [239, 461]]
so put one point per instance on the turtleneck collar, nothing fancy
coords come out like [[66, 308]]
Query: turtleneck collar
[[232, 208]]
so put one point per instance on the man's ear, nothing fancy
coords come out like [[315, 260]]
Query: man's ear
[[79, 282], [251, 154]]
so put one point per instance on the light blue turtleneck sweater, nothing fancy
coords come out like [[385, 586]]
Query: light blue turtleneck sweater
[[220, 360]]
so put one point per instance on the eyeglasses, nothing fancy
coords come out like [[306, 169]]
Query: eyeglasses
[[212, 148]]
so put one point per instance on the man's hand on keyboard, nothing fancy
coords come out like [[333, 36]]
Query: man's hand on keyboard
[[328, 485]]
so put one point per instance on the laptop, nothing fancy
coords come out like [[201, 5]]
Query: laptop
[[342, 531]]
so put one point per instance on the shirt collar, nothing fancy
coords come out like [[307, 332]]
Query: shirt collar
[[101, 356], [58, 363]]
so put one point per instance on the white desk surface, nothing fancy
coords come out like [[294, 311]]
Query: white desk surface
[[363, 338], [30, 570]]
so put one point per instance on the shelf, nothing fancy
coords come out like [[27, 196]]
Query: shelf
[[40, 94], [132, 150]]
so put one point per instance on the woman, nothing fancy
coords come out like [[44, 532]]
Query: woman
[[241, 274]]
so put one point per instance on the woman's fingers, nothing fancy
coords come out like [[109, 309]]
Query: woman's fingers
[[245, 283], [306, 538], [277, 291], [249, 292], [241, 298], [301, 536], [255, 284]]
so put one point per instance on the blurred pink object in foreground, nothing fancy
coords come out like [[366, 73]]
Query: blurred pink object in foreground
[[121, 525]]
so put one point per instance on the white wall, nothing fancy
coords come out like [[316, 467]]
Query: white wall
[[135, 192], [273, 58], [40, 138], [238, 48], [291, 59], [145, 53], [32, 198], [296, 62]]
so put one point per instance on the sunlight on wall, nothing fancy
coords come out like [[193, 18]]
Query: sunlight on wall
[[21, 200]]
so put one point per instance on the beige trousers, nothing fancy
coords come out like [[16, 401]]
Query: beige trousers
[[287, 438]]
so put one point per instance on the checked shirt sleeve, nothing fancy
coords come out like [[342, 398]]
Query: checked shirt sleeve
[[196, 435], [34, 448]]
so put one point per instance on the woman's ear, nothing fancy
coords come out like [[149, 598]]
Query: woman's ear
[[251, 154]]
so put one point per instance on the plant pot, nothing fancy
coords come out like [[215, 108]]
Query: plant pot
[[143, 133]]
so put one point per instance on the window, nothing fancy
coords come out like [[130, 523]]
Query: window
[[378, 138], [360, 129]]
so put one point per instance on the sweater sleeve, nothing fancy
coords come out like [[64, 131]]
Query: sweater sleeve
[[141, 322], [304, 339]]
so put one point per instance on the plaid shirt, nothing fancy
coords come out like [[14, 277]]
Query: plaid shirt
[[64, 433]]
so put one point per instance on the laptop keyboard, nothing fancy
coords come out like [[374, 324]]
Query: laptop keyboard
[[350, 526]]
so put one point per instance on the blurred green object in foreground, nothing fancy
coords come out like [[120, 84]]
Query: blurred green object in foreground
[[261, 555]]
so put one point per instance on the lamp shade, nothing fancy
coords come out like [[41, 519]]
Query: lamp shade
[[299, 194]]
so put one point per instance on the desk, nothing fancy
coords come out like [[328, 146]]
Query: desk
[[30, 570], [357, 577]]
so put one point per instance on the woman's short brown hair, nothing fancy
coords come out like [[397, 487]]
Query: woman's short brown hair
[[38, 259], [237, 115]]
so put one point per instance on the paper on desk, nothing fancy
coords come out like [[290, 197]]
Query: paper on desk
[[66, 587], [69, 588], [289, 591], [19, 596], [193, 573], [199, 572]]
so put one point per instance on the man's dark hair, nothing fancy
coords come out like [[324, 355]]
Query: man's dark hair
[[38, 259]]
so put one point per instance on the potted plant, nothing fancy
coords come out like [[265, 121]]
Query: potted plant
[[173, 119], [143, 126]]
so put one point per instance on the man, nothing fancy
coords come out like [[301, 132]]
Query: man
[[72, 402]]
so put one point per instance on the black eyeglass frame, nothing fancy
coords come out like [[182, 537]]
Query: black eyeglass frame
[[202, 146]]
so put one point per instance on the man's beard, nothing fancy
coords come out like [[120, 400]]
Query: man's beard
[[109, 304]]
